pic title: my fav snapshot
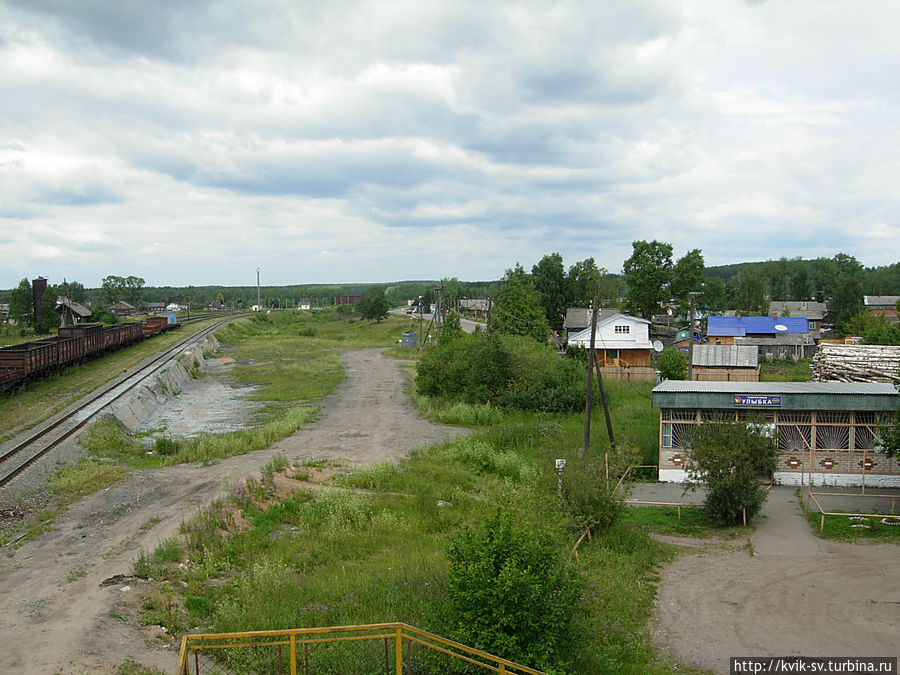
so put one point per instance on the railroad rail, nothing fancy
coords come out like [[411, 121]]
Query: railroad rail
[[34, 444]]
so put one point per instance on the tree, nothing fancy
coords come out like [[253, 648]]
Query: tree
[[517, 308], [648, 273], [21, 305], [728, 458], [845, 304], [550, 281], [713, 297], [799, 281], [132, 289], [582, 282], [373, 305], [113, 288], [74, 290], [687, 277], [750, 295]]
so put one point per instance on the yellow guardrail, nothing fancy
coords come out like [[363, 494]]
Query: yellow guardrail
[[279, 651]]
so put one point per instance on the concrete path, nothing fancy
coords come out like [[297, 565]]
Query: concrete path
[[781, 528]]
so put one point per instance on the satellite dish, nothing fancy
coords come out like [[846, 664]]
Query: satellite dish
[[657, 346], [780, 327], [669, 311]]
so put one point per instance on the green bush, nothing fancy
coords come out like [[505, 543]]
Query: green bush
[[672, 364], [513, 594], [586, 500], [506, 370], [729, 458]]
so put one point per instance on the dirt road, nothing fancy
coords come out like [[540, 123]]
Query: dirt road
[[789, 594], [55, 617]]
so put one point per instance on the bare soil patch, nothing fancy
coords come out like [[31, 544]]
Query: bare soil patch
[[787, 594], [55, 617]]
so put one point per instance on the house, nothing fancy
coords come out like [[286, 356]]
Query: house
[[815, 313], [304, 304], [783, 338], [477, 307], [579, 318], [826, 433], [71, 312], [153, 307], [885, 305], [622, 344], [121, 308], [725, 363], [4, 311], [347, 299], [174, 307]]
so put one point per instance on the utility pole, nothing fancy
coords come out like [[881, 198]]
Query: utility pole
[[691, 296], [421, 337], [590, 381], [258, 308]]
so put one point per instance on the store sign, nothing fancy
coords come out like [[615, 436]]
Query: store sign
[[757, 401]]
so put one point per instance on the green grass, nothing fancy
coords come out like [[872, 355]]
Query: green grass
[[664, 520], [785, 371], [342, 556], [842, 528]]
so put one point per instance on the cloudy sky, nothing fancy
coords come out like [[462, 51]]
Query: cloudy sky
[[190, 142]]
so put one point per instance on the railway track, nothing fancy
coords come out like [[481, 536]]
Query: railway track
[[32, 445]]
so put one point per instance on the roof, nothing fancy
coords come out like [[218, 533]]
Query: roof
[[580, 317], [584, 337], [726, 356], [870, 300], [808, 308], [74, 307], [740, 326], [760, 396], [855, 388], [476, 304]]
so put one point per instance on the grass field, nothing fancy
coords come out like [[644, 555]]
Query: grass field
[[371, 545]]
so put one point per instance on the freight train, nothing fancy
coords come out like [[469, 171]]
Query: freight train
[[74, 344]]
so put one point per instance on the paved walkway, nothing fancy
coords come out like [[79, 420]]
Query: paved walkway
[[780, 528]]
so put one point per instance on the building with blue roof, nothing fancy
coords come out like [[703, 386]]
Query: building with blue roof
[[783, 337]]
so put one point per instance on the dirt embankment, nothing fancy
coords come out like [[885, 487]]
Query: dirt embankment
[[54, 614]]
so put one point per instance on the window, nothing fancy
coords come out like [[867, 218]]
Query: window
[[813, 325], [622, 330]]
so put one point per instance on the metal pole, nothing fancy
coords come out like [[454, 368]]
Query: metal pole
[[590, 379], [691, 337], [258, 308]]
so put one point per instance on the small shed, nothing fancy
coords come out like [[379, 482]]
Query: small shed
[[726, 363]]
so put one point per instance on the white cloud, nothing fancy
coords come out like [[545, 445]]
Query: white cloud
[[367, 140]]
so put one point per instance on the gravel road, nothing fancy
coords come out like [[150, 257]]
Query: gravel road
[[55, 617]]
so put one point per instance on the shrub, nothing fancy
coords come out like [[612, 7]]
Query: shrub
[[513, 594], [584, 496], [672, 364], [728, 458], [506, 370]]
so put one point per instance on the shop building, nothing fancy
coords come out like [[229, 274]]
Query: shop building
[[826, 431]]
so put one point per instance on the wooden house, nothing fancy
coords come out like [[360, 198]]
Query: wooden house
[[622, 344]]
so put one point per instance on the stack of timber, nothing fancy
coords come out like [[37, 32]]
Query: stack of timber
[[856, 363]]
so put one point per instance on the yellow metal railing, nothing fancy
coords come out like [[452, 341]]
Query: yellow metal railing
[[279, 651]]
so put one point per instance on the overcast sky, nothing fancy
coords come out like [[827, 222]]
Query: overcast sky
[[191, 142]]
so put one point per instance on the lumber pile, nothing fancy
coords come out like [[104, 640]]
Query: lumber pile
[[856, 363]]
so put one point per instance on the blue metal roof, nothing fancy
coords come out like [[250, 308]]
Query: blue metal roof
[[750, 325]]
